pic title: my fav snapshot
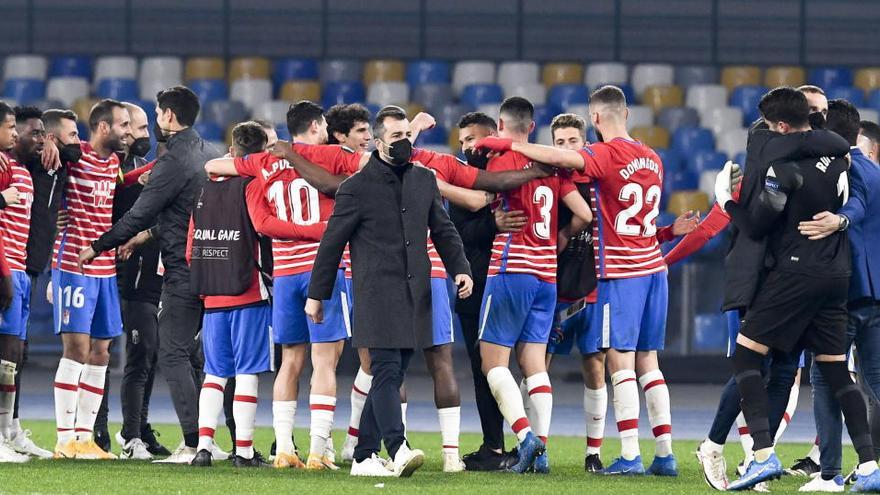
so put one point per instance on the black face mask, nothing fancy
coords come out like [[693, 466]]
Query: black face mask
[[817, 120], [160, 136], [476, 158], [69, 153], [400, 151], [140, 147]]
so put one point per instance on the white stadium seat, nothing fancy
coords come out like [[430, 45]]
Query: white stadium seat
[[605, 73], [67, 89], [251, 92], [472, 72], [534, 92], [545, 135], [384, 93], [639, 116], [115, 67], [274, 111], [644, 75], [158, 73], [706, 96], [514, 74], [721, 119], [25, 67], [733, 142]]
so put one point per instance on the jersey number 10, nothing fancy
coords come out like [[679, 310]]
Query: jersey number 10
[[639, 197], [304, 207]]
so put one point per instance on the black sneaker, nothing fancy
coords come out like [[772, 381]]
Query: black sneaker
[[485, 459], [592, 464], [803, 467], [851, 477], [102, 438], [272, 450], [203, 458], [149, 437], [255, 461]]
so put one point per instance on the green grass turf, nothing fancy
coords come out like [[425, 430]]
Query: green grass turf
[[566, 458]]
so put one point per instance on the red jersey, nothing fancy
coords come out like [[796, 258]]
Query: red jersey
[[628, 181], [532, 250], [88, 199], [15, 219], [4, 265]]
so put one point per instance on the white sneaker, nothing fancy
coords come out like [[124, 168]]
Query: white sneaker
[[23, 444], [217, 453], [452, 463], [348, 448], [406, 461], [762, 487], [133, 449], [817, 484], [714, 468], [181, 455], [8, 454], [372, 466]]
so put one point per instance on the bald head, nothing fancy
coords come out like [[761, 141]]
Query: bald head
[[139, 125]]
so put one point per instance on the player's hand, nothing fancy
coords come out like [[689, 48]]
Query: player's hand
[[63, 220], [686, 223], [11, 195], [723, 183], [315, 310], [281, 149], [494, 143], [509, 221], [540, 170], [821, 226], [144, 178], [86, 256], [4, 162], [125, 251], [6, 292], [422, 121], [50, 158], [465, 285]]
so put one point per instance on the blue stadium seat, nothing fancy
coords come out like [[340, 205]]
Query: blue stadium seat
[[427, 72], [209, 89], [829, 77], [479, 94], [663, 219], [689, 140], [71, 66], [740, 158], [566, 95], [629, 93], [434, 135], [672, 161], [710, 332], [702, 161], [209, 131], [678, 180], [849, 93], [118, 89], [544, 114], [287, 69], [746, 98], [283, 133], [673, 118], [83, 129], [24, 91], [342, 92], [592, 137], [432, 96]]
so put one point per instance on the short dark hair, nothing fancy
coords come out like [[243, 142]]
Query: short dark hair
[[52, 118], [23, 114], [519, 112], [184, 104], [342, 118], [843, 118], [785, 104], [391, 111], [103, 112], [5, 110], [568, 120], [249, 137], [477, 118], [810, 88], [300, 116], [609, 95], [870, 130]]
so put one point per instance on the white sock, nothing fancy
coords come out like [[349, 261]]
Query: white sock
[[450, 424], [403, 416], [7, 397], [244, 410], [15, 429], [541, 397], [790, 408], [626, 412], [595, 408], [323, 407], [659, 411], [509, 400], [710, 447], [66, 391], [527, 402], [88, 401], [745, 437], [210, 406], [283, 413], [359, 390], [814, 451]]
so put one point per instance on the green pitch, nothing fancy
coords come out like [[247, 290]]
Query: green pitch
[[566, 459]]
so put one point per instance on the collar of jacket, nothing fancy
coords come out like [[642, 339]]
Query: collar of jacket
[[183, 136], [378, 168]]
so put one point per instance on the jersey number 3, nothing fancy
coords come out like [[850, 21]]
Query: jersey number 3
[[302, 201], [639, 197], [543, 197]]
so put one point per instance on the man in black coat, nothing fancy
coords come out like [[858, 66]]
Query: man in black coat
[[384, 213]]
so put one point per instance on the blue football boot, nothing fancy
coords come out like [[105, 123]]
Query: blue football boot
[[623, 467], [758, 472], [867, 484], [528, 450], [663, 466]]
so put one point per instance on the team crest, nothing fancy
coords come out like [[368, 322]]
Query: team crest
[[65, 318], [102, 192]]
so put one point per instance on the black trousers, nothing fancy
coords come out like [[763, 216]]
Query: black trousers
[[141, 354], [381, 420], [491, 420]]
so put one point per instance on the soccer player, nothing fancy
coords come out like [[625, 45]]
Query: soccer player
[[85, 296], [628, 177], [520, 295], [349, 125]]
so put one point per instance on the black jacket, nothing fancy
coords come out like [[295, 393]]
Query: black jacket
[[477, 230], [386, 221], [167, 202], [48, 189]]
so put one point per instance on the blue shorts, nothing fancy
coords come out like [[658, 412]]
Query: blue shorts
[[631, 312], [733, 325], [14, 320], [84, 304], [517, 308], [575, 329], [238, 341], [290, 325], [441, 311]]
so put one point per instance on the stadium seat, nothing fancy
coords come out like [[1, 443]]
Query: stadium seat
[[562, 73], [274, 111], [733, 76], [544, 114], [653, 136], [784, 75], [449, 115], [294, 69], [867, 78], [249, 68], [342, 92], [388, 93], [692, 75], [851, 94], [472, 72], [67, 89], [82, 107], [565, 95], [294, 91], [335, 70], [204, 68], [703, 160], [544, 135], [869, 114], [383, 70], [660, 97], [118, 89], [158, 73], [874, 99], [629, 93], [282, 132], [583, 110], [746, 98], [491, 109], [47, 103], [251, 92], [25, 67], [672, 161], [721, 119], [515, 73], [646, 75], [428, 72], [452, 140], [71, 66], [710, 333], [706, 96], [411, 109], [639, 116], [689, 140], [682, 201], [433, 136], [733, 142], [83, 129], [592, 137], [707, 180], [479, 94], [433, 96], [24, 91], [534, 92], [740, 158], [829, 77], [681, 179], [115, 66], [209, 89], [674, 117], [605, 73], [225, 112], [209, 131]]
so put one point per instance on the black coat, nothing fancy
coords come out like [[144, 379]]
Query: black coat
[[477, 230], [386, 224]]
